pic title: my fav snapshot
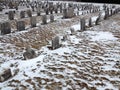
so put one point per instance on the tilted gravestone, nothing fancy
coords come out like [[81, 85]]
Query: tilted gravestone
[[20, 25], [72, 31], [11, 15], [46, 10], [52, 18], [33, 21], [5, 75], [82, 22], [29, 54], [22, 14], [44, 19], [55, 43], [5, 28], [29, 13]]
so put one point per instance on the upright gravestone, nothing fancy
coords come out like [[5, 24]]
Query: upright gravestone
[[33, 21], [5, 75], [20, 25], [51, 18], [97, 21], [55, 43], [44, 19], [22, 14], [38, 11], [29, 13], [11, 15], [82, 22], [5, 28], [90, 22]]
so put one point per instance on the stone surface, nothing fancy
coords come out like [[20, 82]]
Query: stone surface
[[5, 28], [20, 25]]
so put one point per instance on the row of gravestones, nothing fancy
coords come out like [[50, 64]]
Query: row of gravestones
[[108, 13], [6, 27]]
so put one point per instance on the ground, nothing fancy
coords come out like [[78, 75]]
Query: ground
[[87, 60]]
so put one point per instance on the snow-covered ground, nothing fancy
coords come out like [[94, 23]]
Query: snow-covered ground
[[88, 60]]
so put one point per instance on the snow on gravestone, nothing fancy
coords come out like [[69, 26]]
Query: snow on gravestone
[[5, 28], [55, 43], [11, 15], [20, 25], [5, 75], [33, 21]]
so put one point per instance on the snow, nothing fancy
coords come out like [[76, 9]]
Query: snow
[[85, 59]]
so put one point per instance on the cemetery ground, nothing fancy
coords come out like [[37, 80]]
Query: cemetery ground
[[86, 60]]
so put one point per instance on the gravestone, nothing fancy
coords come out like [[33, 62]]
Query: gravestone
[[11, 15], [82, 22], [33, 21], [5, 75], [97, 21], [55, 43], [29, 54], [5, 28], [68, 13], [51, 18], [72, 31], [44, 19], [38, 11], [29, 13], [64, 38], [22, 14], [90, 22], [20, 25]]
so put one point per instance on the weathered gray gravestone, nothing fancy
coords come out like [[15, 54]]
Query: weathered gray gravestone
[[5, 75], [20, 25], [82, 22], [29, 13], [33, 21], [72, 31], [97, 21], [22, 14], [29, 54], [44, 19], [51, 18], [5, 28], [38, 11], [55, 43], [90, 22], [68, 13], [11, 15]]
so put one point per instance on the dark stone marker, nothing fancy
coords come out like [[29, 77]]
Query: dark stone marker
[[44, 19], [20, 25], [51, 18], [97, 21], [5, 75], [82, 22], [55, 43], [5, 28], [29, 13], [90, 22], [22, 14], [11, 15], [33, 21]]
